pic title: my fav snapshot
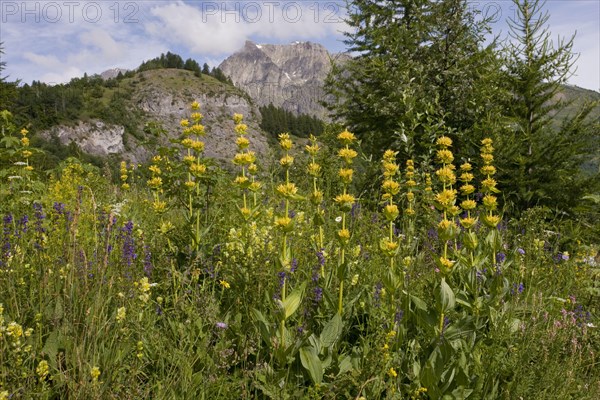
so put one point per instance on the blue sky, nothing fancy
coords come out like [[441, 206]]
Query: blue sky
[[54, 41]]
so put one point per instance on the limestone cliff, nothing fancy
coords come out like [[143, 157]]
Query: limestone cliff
[[289, 76]]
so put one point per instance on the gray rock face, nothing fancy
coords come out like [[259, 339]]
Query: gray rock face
[[160, 100], [112, 73], [289, 76], [170, 107], [94, 137]]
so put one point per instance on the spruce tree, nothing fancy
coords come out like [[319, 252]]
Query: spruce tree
[[540, 160], [420, 69]]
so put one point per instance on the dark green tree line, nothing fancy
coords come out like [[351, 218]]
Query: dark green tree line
[[276, 120]]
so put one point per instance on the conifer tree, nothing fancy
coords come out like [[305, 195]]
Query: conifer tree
[[540, 161], [420, 69]]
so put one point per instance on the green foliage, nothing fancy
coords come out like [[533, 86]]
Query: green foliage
[[276, 120], [541, 161], [105, 295], [421, 66]]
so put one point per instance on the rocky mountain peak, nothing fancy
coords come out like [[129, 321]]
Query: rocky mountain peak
[[289, 76]]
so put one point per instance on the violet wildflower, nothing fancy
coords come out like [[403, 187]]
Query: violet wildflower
[[377, 294], [23, 223], [129, 254], [318, 294], [294, 265], [500, 257], [398, 317], [221, 325]]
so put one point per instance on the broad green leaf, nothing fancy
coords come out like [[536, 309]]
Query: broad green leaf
[[420, 304], [292, 302], [344, 365], [310, 360], [332, 330], [461, 393], [447, 298], [51, 348], [263, 325]]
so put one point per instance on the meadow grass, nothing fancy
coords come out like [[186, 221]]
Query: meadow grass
[[185, 281]]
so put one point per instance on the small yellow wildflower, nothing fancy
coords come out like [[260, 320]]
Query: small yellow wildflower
[[346, 137], [345, 201], [316, 197], [345, 175], [490, 202], [389, 155], [25, 141], [347, 154], [392, 373], [313, 169], [242, 142], [42, 370], [184, 123], [390, 169], [187, 143], [237, 118], [444, 142], [312, 149], [284, 223], [198, 129], [195, 105], [491, 220], [285, 142], [391, 187], [446, 263], [446, 175], [445, 156], [198, 146], [287, 189], [388, 247], [224, 284], [244, 158], [15, 330], [27, 153], [121, 314], [286, 161], [343, 235], [466, 177], [487, 158], [159, 206], [197, 169], [468, 204], [468, 222], [488, 170], [445, 198], [391, 212], [242, 181], [197, 117], [488, 185], [155, 169], [467, 189], [95, 373]]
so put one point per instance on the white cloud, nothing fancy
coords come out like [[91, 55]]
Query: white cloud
[[216, 28], [103, 41], [127, 33]]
